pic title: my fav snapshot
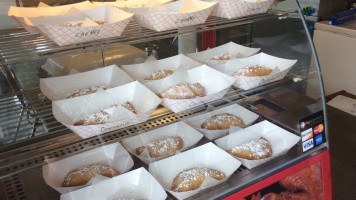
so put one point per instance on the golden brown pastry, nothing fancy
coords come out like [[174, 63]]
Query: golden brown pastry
[[191, 179], [225, 56], [253, 71], [86, 91], [222, 121], [82, 176], [162, 147], [163, 73], [102, 116], [253, 150], [183, 91]]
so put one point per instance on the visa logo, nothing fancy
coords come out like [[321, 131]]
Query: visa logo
[[308, 144]]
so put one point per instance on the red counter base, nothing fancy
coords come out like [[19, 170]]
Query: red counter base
[[279, 180]]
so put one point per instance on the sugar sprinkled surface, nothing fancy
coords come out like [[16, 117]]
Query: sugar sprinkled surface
[[256, 147], [220, 119], [225, 56], [91, 169], [86, 91], [190, 176], [163, 147], [256, 70], [184, 91], [162, 73]]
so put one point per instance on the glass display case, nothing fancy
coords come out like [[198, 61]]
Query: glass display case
[[39, 144]]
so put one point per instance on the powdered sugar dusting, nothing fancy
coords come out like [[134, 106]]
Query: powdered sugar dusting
[[253, 71], [100, 117], [222, 121], [87, 91], [163, 73], [258, 148], [192, 179], [163, 147], [225, 56], [183, 91], [90, 170]]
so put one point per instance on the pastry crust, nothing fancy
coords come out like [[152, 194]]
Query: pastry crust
[[253, 150], [163, 147], [102, 116], [86, 91], [163, 73], [222, 121], [183, 91], [253, 71], [191, 179], [82, 176]]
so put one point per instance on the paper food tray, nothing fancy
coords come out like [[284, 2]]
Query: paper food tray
[[59, 88], [280, 68], [113, 155], [215, 83], [207, 155], [235, 50], [116, 21], [247, 116], [19, 13], [173, 15], [135, 3], [233, 9], [69, 111], [281, 141], [136, 184], [143, 70], [189, 136]]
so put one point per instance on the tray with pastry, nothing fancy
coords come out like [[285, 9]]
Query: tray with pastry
[[223, 53], [233, 9], [162, 142], [258, 143], [256, 70], [216, 123], [194, 170], [173, 15], [106, 110], [137, 184], [77, 171], [186, 89], [97, 23], [74, 85], [153, 69]]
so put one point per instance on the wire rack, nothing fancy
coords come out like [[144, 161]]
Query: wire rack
[[17, 45]]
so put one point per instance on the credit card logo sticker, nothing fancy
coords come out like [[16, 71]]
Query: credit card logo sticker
[[307, 134], [318, 139], [318, 129], [308, 145]]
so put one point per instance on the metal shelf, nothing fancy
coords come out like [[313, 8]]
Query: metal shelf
[[17, 45]]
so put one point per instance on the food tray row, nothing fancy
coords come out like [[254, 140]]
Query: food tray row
[[139, 184], [86, 21]]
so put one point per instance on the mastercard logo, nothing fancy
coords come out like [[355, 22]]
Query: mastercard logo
[[318, 129]]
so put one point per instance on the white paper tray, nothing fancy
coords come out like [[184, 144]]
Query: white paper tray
[[69, 111], [235, 50], [247, 116], [113, 155], [59, 88], [233, 9], [173, 15], [215, 83], [19, 13], [136, 184], [280, 68], [189, 136], [143, 70], [50, 26], [207, 155], [280, 140]]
